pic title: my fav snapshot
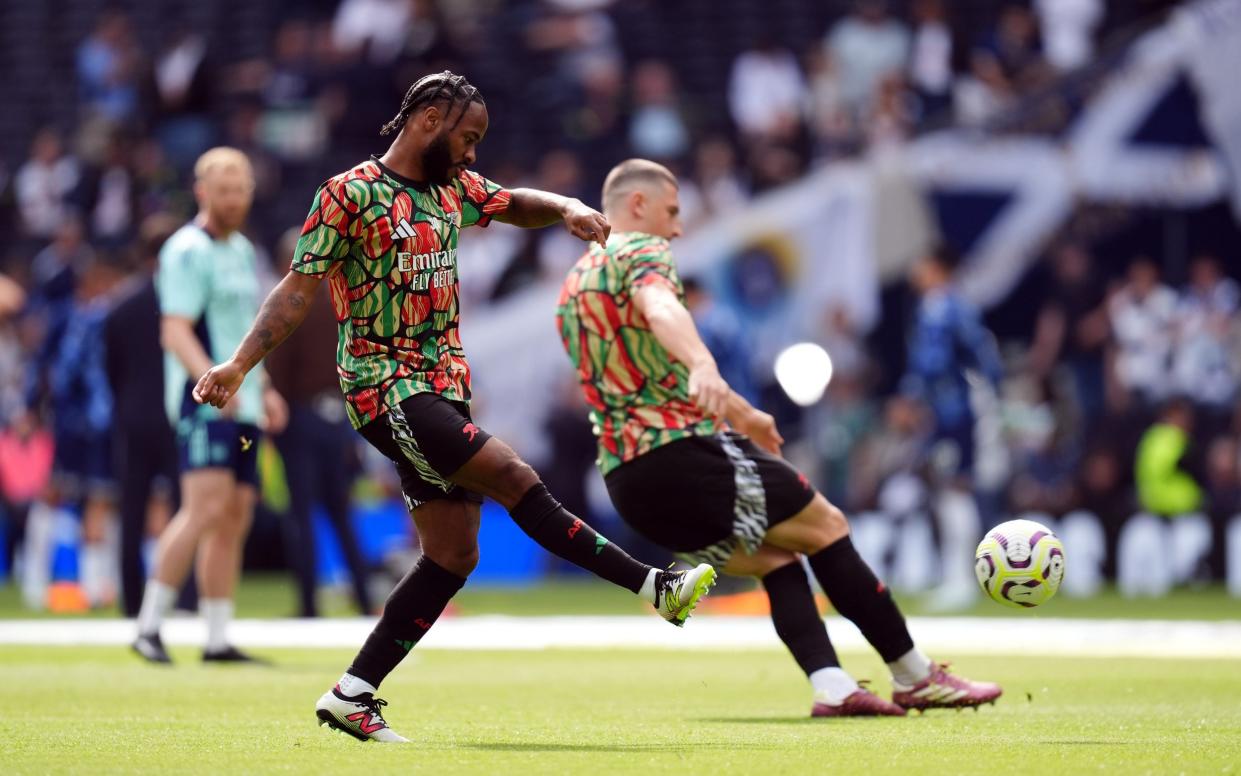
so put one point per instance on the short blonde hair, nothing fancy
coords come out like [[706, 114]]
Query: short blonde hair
[[632, 174], [222, 158]]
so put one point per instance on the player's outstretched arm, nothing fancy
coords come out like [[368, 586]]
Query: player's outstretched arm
[[283, 311], [532, 208]]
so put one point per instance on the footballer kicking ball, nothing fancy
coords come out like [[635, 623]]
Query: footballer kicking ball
[[1020, 563]]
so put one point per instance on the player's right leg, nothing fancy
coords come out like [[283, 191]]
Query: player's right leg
[[439, 439]]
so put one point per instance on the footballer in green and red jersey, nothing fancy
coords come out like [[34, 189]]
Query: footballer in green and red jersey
[[388, 246]]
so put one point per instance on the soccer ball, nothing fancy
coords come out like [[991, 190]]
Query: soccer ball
[[1020, 563]]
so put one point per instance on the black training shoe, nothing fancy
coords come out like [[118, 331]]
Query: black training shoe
[[231, 654], [150, 647]]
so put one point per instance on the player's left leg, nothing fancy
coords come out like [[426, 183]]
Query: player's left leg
[[798, 624], [820, 531], [218, 564], [218, 567], [448, 535]]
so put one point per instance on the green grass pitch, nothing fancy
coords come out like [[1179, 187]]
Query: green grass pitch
[[98, 710]]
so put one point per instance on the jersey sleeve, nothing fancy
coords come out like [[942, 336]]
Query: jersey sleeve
[[650, 263], [183, 282], [481, 199], [327, 231]]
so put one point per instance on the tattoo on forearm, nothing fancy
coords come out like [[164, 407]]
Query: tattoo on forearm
[[279, 316]]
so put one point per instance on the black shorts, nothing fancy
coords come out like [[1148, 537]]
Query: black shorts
[[706, 496], [429, 438]]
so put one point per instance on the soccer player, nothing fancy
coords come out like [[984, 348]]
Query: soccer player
[[384, 236], [693, 467], [208, 294]]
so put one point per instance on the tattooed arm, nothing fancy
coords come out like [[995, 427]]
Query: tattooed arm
[[282, 312]]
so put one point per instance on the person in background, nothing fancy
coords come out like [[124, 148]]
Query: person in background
[[869, 45], [1143, 320], [54, 278], [208, 291], [1165, 484], [766, 91], [44, 184], [1072, 330], [721, 331], [82, 422], [12, 355], [109, 69], [930, 55], [144, 450], [317, 445], [946, 340], [1203, 362]]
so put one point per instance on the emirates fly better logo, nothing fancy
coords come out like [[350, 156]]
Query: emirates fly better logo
[[435, 269]]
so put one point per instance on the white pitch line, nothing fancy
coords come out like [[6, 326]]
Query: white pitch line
[[942, 636]]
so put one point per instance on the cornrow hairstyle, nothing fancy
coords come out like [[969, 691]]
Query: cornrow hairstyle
[[428, 90]]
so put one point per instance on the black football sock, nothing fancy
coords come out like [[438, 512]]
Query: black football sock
[[797, 619], [410, 611], [551, 525], [860, 597]]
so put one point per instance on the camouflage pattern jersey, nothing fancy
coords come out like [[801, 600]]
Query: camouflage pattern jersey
[[388, 248], [638, 394]]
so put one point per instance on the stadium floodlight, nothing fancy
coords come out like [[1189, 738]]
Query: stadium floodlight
[[803, 371]]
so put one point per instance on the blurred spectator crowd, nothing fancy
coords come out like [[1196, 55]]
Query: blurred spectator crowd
[[1127, 385]]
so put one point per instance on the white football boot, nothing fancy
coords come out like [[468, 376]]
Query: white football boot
[[678, 592], [359, 716]]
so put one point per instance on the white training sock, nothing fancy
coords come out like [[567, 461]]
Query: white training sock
[[219, 613], [157, 599], [36, 558], [94, 573], [910, 668], [832, 685], [647, 591], [350, 685]]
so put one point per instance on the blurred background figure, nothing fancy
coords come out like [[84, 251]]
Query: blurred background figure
[[144, 452], [1204, 362], [947, 342], [722, 333], [82, 408], [1072, 331], [318, 446], [43, 186], [1143, 322], [869, 45], [208, 286], [110, 68]]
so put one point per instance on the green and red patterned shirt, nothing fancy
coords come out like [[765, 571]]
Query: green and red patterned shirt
[[388, 246], [638, 393]]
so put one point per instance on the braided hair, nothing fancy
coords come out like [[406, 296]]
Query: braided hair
[[428, 90]]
